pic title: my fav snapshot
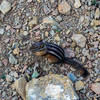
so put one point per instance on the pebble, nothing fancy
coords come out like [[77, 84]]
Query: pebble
[[55, 12], [97, 80], [96, 88], [72, 77], [77, 4], [16, 51], [67, 32], [59, 18], [69, 53], [12, 59], [19, 85], [9, 78], [97, 13], [49, 20], [46, 33], [3, 94], [1, 64], [29, 1], [1, 31], [64, 7], [25, 33], [57, 38], [5, 62], [79, 85], [79, 39], [82, 18], [95, 22], [46, 9], [5, 6], [35, 74], [52, 1], [52, 32], [33, 22], [15, 74]]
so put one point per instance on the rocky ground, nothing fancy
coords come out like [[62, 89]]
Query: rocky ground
[[73, 24]]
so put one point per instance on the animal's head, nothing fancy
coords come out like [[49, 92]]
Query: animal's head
[[38, 48]]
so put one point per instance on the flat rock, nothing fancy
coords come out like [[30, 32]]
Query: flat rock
[[1, 64], [19, 85], [97, 13], [16, 51], [57, 38], [51, 87], [12, 59], [1, 31], [96, 88], [77, 4], [95, 23], [79, 85], [25, 33], [49, 20], [46, 9], [64, 7], [5, 6], [79, 39], [33, 22], [5, 62], [9, 78]]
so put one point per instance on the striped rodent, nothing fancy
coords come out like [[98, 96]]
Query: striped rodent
[[55, 54]]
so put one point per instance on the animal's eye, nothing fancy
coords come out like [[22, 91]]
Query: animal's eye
[[41, 46]]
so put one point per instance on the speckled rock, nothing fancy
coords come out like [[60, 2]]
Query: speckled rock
[[51, 87], [16, 51], [25, 33], [5, 6], [96, 88], [9, 78], [79, 39], [1, 63], [57, 38], [77, 4], [64, 7], [95, 23], [19, 85], [1, 31], [33, 22], [97, 13], [12, 59], [49, 20], [79, 85]]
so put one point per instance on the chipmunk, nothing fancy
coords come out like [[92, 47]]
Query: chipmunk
[[56, 54]]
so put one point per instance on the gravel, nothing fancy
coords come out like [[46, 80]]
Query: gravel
[[22, 23]]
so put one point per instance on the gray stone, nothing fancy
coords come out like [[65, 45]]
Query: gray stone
[[79, 85], [49, 20], [77, 4], [5, 6], [1, 31], [79, 39], [3, 94], [64, 7], [46, 9], [9, 78], [19, 85], [96, 88], [59, 18], [12, 59], [1, 64], [52, 32], [51, 87]]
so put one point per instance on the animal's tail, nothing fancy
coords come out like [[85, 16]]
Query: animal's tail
[[77, 65]]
